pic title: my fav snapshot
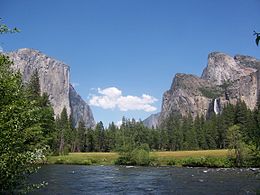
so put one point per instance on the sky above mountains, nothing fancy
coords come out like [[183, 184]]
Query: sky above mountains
[[124, 54]]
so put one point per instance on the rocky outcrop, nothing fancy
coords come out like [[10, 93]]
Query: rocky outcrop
[[222, 67], [80, 110], [186, 96], [54, 80], [225, 80], [152, 121]]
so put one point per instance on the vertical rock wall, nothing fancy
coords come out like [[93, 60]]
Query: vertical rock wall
[[55, 81]]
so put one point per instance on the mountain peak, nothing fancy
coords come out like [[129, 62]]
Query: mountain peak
[[222, 67]]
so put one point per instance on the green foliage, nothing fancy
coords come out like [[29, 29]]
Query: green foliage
[[5, 29], [234, 137], [211, 162], [21, 131], [64, 133], [33, 87], [257, 39], [138, 156], [210, 92]]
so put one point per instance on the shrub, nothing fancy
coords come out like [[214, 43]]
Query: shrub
[[172, 162], [138, 156], [87, 162]]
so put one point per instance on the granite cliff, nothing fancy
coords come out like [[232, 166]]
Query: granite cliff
[[225, 80], [152, 121], [54, 80]]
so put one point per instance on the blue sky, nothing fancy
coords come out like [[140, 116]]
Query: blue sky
[[124, 54]]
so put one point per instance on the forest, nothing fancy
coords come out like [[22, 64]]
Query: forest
[[29, 131]]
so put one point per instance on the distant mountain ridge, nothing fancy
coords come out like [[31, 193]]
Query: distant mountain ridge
[[152, 120], [54, 79], [225, 80]]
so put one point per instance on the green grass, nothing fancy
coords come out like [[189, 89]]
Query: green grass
[[88, 158], [178, 158], [164, 158]]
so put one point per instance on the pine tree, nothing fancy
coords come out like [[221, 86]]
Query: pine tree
[[33, 87], [64, 132], [211, 132], [90, 140], [100, 137], [200, 133], [80, 137]]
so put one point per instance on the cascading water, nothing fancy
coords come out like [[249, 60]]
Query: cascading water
[[216, 106]]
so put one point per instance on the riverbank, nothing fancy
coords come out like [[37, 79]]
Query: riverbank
[[209, 158]]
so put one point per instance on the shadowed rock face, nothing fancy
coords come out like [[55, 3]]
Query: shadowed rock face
[[225, 78], [80, 110], [54, 80], [152, 121]]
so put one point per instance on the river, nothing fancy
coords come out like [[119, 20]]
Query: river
[[76, 179]]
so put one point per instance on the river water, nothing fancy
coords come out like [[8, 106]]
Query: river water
[[76, 179]]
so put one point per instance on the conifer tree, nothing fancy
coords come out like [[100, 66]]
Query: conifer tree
[[80, 137]]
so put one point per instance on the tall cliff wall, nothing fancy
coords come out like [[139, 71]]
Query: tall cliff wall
[[225, 80], [55, 81], [80, 110]]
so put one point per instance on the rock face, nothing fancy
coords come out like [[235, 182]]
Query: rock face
[[80, 110], [222, 67], [54, 80], [225, 80], [152, 121]]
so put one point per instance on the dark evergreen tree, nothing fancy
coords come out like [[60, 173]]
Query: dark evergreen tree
[[200, 133], [100, 145], [64, 133], [90, 140], [33, 87], [80, 136]]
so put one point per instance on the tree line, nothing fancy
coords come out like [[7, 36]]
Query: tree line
[[175, 133], [29, 130]]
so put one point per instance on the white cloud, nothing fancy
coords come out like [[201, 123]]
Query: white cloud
[[111, 98], [1, 49]]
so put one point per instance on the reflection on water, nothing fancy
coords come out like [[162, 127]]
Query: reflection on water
[[74, 179]]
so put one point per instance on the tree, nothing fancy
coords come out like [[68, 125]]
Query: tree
[[64, 132], [90, 140], [111, 136], [257, 39], [198, 125], [20, 131], [100, 137], [5, 29], [46, 112], [33, 87], [236, 143], [79, 141]]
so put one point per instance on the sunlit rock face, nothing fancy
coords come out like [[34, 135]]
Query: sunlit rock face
[[54, 80], [225, 80], [185, 97], [222, 67]]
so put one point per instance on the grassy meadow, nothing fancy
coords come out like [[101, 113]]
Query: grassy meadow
[[177, 158]]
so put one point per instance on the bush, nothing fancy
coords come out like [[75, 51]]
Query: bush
[[172, 162], [139, 156], [87, 162], [213, 162]]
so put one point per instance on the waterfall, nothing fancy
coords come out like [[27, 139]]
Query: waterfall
[[216, 106]]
